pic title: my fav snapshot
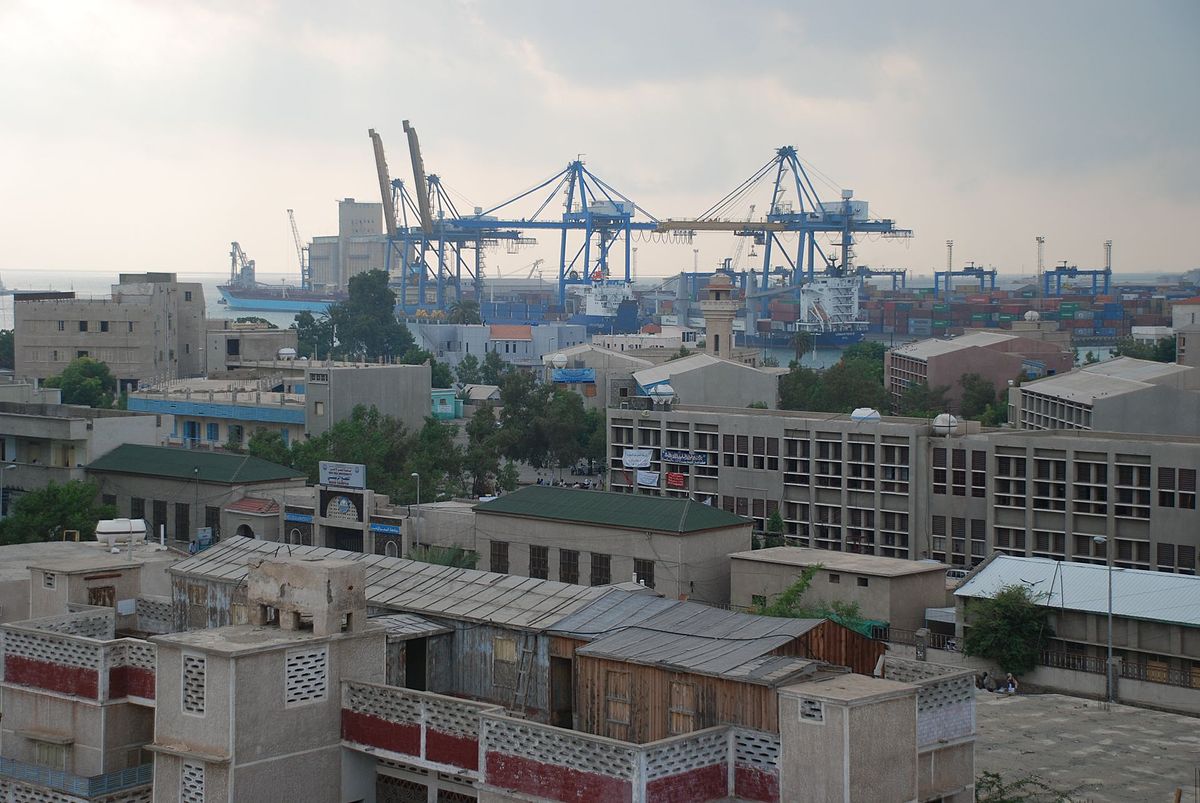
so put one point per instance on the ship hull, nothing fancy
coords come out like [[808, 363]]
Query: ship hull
[[267, 301]]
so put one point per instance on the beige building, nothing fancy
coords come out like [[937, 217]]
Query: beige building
[[603, 377], [996, 356], [359, 246], [1187, 345], [230, 344], [1121, 395], [884, 589], [704, 379], [152, 327]]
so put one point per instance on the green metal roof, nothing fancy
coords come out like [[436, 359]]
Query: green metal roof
[[631, 511], [191, 464]]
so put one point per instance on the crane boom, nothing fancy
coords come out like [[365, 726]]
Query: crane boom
[[301, 253], [418, 167], [385, 183]]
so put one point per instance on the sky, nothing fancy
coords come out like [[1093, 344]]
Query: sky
[[147, 135]]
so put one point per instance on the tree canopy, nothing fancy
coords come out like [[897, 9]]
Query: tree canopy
[[790, 604], [256, 319], [546, 425], [921, 401], [44, 514], [86, 381], [1161, 351], [1010, 628], [464, 311], [855, 381], [468, 371], [365, 323]]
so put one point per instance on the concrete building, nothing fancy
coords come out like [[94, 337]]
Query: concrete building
[[301, 399], [178, 491], [1156, 616], [152, 328], [884, 589], [45, 443], [1121, 395], [720, 308], [359, 246], [995, 356], [1185, 312], [519, 345], [229, 344], [703, 379], [675, 546], [1032, 327], [1187, 345], [604, 378], [658, 345]]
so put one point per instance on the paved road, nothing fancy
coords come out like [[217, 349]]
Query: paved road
[[1121, 755]]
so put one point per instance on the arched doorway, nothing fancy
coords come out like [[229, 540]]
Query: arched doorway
[[390, 549], [294, 537], [245, 532]]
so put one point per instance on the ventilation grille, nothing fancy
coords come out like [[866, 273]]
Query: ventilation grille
[[307, 678], [193, 684], [812, 710], [191, 783]]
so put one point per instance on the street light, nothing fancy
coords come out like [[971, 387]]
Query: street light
[[417, 477], [3, 507], [1108, 667]]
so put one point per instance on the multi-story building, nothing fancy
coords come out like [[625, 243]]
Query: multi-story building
[[300, 399], [1187, 345], [359, 246], [230, 344], [1121, 395], [704, 379], [152, 327], [995, 356], [519, 345], [45, 443], [898, 487], [655, 343], [604, 378]]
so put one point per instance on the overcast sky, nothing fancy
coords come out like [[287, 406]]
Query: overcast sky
[[148, 135]]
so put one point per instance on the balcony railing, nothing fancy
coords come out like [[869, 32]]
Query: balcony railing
[[93, 786]]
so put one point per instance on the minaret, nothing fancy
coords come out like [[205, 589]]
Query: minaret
[[719, 310]]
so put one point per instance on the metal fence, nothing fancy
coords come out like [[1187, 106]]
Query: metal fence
[[1158, 673], [60, 781], [1073, 661], [896, 635]]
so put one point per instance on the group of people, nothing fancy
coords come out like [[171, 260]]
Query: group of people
[[586, 484], [988, 682]]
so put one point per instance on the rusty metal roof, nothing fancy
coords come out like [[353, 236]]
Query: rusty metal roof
[[403, 626], [412, 586]]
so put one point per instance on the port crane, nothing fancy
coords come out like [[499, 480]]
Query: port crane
[[1052, 280], [241, 268], [942, 279], [301, 253], [899, 275]]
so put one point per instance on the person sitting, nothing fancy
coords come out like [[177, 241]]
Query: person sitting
[[1010, 684]]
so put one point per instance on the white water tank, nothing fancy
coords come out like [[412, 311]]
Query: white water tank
[[865, 414], [111, 532], [945, 424]]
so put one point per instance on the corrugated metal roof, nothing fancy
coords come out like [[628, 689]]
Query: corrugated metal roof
[[662, 373], [709, 641], [630, 511], [924, 349], [510, 331], [409, 625], [611, 612], [191, 464], [409, 585], [1137, 593]]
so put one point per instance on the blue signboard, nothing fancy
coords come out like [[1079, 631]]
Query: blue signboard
[[573, 375], [303, 518], [386, 529]]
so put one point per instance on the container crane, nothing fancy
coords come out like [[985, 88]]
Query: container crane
[[942, 278], [1052, 280], [301, 253]]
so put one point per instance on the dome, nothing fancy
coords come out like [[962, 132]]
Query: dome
[[945, 424], [1033, 315]]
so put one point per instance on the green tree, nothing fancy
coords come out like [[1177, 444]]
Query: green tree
[[790, 604], [468, 370], [44, 514], [679, 355], [1010, 629], [7, 350], [509, 476], [1161, 351], [86, 381], [494, 369], [256, 319], [464, 311], [803, 343], [991, 787], [314, 336], [978, 395], [851, 384], [365, 323], [454, 556], [775, 530], [438, 459], [268, 445], [921, 401], [482, 460]]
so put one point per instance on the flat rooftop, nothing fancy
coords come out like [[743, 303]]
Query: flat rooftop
[[15, 559], [849, 688], [849, 562], [245, 639]]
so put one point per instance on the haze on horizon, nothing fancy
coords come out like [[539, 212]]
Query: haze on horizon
[[141, 136]]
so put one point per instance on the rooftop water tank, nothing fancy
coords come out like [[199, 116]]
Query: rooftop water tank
[[865, 414], [945, 424], [110, 532]]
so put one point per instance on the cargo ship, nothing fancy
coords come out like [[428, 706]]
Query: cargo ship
[[277, 298]]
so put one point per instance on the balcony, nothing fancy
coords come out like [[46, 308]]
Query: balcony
[[107, 784], [448, 734]]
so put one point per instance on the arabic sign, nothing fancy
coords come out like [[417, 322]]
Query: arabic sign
[[684, 458], [674, 480], [648, 478], [636, 458], [573, 375], [343, 475]]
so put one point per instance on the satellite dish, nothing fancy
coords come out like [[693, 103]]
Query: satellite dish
[[559, 360]]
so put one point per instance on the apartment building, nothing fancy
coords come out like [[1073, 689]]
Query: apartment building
[[359, 246], [895, 487], [1121, 395], [995, 356], [152, 327], [231, 345], [518, 345]]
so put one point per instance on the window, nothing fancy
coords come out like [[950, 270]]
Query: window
[[191, 783], [192, 690], [130, 326], [681, 710], [306, 676], [103, 326], [187, 295], [83, 326], [212, 518], [108, 499], [160, 516], [212, 432], [616, 698], [812, 711], [237, 433], [499, 554], [568, 566], [504, 662], [601, 569], [49, 579], [863, 582], [644, 569], [81, 353], [539, 562], [183, 521], [319, 408], [62, 326], [51, 754], [835, 578], [137, 508]]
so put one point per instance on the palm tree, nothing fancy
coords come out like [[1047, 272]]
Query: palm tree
[[803, 343], [464, 311]]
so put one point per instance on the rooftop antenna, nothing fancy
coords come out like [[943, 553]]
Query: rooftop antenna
[[1041, 267]]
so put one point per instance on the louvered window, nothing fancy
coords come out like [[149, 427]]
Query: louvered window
[[193, 687], [307, 676], [191, 783]]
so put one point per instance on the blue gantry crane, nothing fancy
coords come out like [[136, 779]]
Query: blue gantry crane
[[943, 279], [1052, 280]]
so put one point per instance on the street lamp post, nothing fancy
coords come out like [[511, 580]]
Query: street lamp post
[[1109, 664], [417, 477], [4, 507]]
